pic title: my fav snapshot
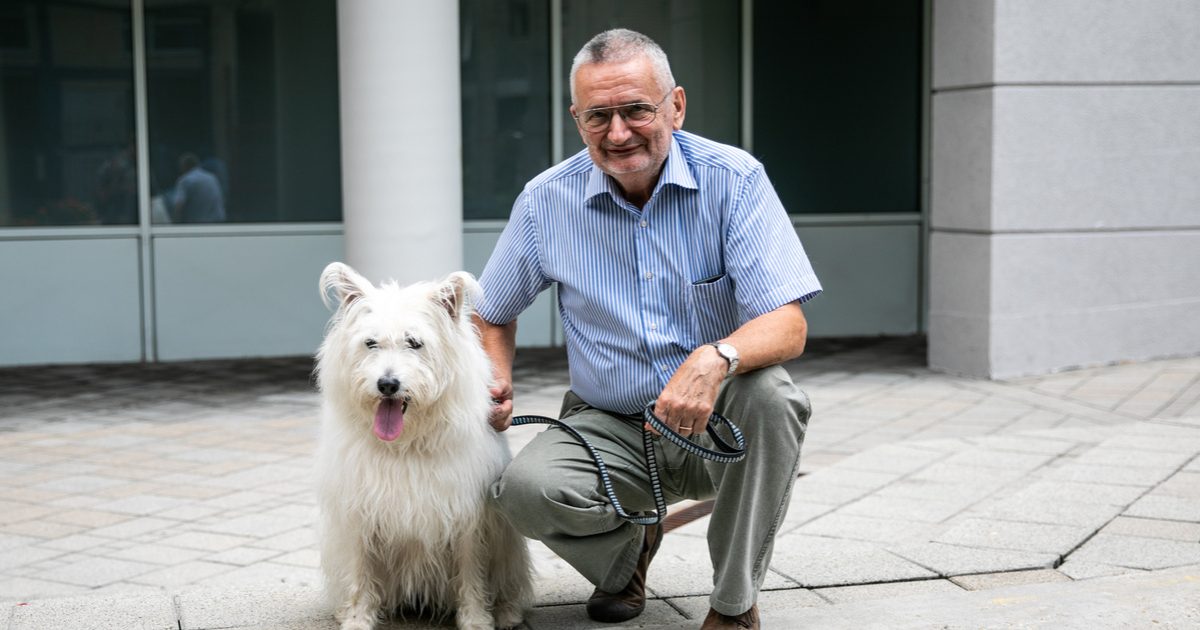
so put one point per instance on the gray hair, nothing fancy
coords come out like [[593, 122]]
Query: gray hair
[[619, 45]]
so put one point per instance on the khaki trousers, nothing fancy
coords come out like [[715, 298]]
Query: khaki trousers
[[552, 493]]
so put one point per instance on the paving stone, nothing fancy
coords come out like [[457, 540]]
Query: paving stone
[[840, 475], [24, 589], [1119, 455], [77, 542], [811, 561], [156, 554], [1104, 474], [1183, 484], [206, 541], [851, 527], [254, 525], [1022, 509], [891, 458], [94, 572], [864, 592], [657, 613], [696, 608], [1086, 570], [145, 612], [1172, 508], [268, 606], [242, 556], [25, 555], [1023, 444], [993, 534], [984, 581], [181, 574], [1071, 492], [950, 560], [1153, 528], [1137, 552], [905, 509], [682, 567]]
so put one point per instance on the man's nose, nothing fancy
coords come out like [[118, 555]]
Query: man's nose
[[618, 130]]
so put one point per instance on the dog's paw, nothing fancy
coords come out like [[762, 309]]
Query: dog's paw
[[508, 616]]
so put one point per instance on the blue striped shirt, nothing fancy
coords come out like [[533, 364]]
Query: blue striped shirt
[[640, 289]]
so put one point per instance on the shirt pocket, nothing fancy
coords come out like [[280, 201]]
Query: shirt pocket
[[712, 307]]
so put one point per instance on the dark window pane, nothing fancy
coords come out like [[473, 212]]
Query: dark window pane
[[243, 111], [66, 115], [702, 40], [837, 106], [505, 101]]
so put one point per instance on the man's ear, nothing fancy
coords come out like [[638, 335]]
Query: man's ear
[[457, 294], [341, 285], [679, 102]]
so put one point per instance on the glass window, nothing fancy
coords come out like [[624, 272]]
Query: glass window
[[702, 40], [505, 101], [66, 114], [243, 111], [837, 103]]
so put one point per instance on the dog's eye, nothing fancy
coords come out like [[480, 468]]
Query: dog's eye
[[372, 344], [414, 343]]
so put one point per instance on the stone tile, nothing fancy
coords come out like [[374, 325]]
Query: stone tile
[[266, 574], [145, 612], [87, 518], [182, 574], [42, 529], [1172, 508], [1103, 474], [303, 558], [205, 541], [1153, 528], [24, 589], [142, 504], [133, 527], [1085, 570], [156, 554], [864, 592], [812, 561], [1020, 508], [695, 608], [851, 527], [905, 509], [300, 538], [242, 556], [1183, 484], [25, 555], [682, 568], [1119, 455], [950, 560], [984, 581], [205, 608], [1137, 552], [253, 525], [1066, 491], [991, 534], [657, 613], [94, 572]]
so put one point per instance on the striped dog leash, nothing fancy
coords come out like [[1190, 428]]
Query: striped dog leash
[[726, 454]]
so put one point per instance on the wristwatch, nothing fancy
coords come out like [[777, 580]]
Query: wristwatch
[[729, 353]]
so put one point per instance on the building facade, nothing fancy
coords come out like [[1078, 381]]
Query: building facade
[[1010, 177]]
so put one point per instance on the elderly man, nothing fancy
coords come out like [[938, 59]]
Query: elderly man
[[680, 281]]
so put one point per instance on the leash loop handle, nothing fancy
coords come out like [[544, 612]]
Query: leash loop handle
[[726, 454]]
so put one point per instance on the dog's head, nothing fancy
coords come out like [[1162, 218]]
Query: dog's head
[[392, 349]]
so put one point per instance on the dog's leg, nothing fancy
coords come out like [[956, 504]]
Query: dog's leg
[[360, 608], [509, 571], [470, 581]]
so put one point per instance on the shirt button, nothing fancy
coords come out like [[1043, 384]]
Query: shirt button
[[644, 223], [653, 326], [649, 275], [664, 368]]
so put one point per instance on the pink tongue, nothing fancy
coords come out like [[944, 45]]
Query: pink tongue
[[389, 420]]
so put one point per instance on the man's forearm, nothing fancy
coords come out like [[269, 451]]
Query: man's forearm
[[500, 344], [770, 338]]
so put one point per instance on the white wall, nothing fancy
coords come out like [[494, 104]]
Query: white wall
[[1065, 202]]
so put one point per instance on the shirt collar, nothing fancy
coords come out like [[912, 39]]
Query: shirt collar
[[675, 171]]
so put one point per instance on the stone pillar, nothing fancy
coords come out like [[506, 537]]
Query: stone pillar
[[398, 63], [1065, 202]]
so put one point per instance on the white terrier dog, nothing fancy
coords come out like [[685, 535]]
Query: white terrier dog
[[406, 458]]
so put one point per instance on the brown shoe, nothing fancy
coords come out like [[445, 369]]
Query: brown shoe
[[631, 600], [717, 621]]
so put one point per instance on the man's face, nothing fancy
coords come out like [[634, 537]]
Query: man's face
[[632, 155]]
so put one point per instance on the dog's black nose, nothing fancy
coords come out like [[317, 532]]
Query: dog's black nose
[[388, 385]]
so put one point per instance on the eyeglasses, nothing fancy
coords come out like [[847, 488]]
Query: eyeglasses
[[598, 119]]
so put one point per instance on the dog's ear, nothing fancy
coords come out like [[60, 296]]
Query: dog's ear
[[341, 285], [458, 293]]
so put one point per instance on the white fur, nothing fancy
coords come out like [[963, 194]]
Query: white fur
[[406, 524]]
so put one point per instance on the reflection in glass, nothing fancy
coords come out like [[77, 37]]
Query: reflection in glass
[[243, 110], [702, 39], [66, 114], [505, 101], [839, 132]]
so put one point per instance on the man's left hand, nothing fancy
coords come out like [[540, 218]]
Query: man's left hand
[[686, 403]]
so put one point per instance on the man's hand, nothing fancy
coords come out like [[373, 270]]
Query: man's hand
[[686, 403], [502, 405]]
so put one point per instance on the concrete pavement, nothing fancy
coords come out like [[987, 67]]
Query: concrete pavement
[[177, 496]]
